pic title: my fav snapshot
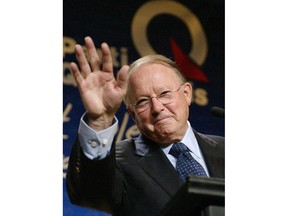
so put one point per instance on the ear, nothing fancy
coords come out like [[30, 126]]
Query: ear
[[188, 91]]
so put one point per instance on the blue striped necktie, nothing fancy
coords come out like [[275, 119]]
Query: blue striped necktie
[[186, 165]]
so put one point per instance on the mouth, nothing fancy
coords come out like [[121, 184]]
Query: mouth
[[159, 120]]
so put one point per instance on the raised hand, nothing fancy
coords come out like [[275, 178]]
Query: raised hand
[[101, 94]]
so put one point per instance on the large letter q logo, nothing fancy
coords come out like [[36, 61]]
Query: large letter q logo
[[150, 9]]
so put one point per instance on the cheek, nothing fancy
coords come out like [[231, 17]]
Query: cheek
[[144, 124], [179, 109], [142, 119], [175, 107]]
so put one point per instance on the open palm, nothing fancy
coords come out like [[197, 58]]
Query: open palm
[[100, 92]]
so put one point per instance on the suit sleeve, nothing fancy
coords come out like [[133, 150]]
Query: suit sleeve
[[91, 183]]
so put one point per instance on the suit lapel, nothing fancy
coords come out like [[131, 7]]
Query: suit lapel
[[213, 155], [156, 164]]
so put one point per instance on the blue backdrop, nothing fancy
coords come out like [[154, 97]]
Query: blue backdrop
[[190, 32]]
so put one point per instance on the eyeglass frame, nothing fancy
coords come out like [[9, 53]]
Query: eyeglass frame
[[149, 99]]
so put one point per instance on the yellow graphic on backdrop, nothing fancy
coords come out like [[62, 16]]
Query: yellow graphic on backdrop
[[151, 9]]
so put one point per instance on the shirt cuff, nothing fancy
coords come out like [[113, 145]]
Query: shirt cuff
[[96, 144]]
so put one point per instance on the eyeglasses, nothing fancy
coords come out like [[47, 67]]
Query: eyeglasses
[[165, 97]]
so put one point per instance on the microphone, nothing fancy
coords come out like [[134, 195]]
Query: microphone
[[217, 111]]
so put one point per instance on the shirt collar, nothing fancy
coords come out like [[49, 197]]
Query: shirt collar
[[189, 139]]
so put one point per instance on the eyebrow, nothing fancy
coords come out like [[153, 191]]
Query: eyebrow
[[162, 89]]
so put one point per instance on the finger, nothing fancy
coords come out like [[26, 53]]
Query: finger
[[92, 53], [122, 78], [76, 73], [83, 63], [107, 64]]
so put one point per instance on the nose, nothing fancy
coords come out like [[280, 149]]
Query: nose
[[156, 105]]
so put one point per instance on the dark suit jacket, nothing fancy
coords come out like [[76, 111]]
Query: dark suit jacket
[[133, 182]]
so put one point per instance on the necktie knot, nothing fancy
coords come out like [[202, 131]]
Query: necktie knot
[[177, 149]]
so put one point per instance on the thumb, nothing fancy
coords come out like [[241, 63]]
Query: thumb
[[122, 77]]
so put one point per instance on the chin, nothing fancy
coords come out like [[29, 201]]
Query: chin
[[167, 139], [166, 129], [167, 135]]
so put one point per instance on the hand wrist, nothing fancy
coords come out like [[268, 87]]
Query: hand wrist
[[99, 123]]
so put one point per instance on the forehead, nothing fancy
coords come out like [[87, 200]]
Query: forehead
[[153, 74]]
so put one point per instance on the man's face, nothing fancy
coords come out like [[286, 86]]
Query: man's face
[[162, 123]]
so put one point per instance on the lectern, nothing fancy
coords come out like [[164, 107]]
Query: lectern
[[199, 196]]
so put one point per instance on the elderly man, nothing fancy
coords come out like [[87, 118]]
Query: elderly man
[[135, 176]]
